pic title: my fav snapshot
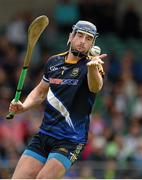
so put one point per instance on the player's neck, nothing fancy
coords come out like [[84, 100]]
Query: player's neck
[[71, 59]]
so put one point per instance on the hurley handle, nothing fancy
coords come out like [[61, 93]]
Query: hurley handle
[[18, 91]]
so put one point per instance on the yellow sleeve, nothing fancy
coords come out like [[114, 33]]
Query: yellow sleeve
[[101, 70]]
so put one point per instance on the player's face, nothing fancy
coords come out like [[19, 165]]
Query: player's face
[[82, 42]]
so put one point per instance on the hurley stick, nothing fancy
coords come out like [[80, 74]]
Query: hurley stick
[[34, 32]]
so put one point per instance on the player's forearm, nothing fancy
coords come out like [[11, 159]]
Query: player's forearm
[[95, 81], [31, 101], [34, 99]]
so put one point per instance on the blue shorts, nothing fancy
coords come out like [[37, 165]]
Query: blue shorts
[[43, 147]]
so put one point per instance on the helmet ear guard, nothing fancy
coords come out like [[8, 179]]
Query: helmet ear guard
[[70, 38]]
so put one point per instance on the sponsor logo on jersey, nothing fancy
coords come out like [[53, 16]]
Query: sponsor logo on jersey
[[63, 81], [64, 68], [53, 68]]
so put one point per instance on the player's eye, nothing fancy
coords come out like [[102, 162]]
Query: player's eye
[[80, 35], [89, 38]]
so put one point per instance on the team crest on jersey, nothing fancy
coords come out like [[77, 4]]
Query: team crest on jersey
[[75, 72]]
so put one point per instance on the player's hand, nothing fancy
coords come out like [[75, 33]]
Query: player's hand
[[16, 107], [95, 61]]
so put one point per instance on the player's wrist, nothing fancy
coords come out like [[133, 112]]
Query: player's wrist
[[24, 107]]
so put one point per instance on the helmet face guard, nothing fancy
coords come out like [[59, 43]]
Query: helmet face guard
[[86, 28]]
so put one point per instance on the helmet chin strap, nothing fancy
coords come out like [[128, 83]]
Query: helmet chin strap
[[78, 53]]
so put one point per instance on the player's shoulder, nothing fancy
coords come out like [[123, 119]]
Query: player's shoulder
[[61, 54], [57, 56]]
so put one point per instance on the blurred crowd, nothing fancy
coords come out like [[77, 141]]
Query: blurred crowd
[[114, 148]]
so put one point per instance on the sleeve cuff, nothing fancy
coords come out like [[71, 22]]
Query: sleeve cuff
[[45, 79]]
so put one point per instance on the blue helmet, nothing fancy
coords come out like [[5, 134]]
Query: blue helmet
[[86, 27]]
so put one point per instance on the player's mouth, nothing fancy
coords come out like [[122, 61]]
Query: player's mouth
[[80, 48]]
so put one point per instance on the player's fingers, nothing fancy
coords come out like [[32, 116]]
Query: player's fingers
[[102, 56], [93, 63], [15, 108], [90, 63], [99, 61], [12, 108], [13, 102]]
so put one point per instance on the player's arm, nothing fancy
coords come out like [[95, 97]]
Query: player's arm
[[35, 98], [95, 80]]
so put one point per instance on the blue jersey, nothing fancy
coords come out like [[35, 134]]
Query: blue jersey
[[69, 101]]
